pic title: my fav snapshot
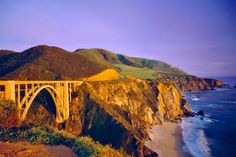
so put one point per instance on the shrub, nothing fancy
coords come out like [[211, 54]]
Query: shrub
[[8, 114], [82, 146]]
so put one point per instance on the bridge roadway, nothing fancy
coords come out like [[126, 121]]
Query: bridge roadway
[[23, 94]]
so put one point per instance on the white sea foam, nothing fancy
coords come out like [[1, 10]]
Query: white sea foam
[[210, 120], [194, 137], [218, 106], [204, 143], [221, 89], [228, 102], [207, 115], [195, 99]]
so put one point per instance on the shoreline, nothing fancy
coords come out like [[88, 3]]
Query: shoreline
[[180, 143], [166, 140]]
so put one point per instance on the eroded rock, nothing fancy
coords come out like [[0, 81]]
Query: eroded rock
[[119, 112]]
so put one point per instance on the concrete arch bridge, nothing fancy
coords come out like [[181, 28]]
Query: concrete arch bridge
[[23, 93]]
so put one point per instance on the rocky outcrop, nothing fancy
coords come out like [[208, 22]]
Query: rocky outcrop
[[172, 106], [119, 112], [188, 82], [114, 112], [193, 83], [214, 83]]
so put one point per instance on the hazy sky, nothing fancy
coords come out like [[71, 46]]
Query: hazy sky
[[198, 36]]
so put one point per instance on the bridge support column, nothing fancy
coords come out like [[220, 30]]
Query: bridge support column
[[10, 90], [66, 100], [63, 92], [59, 89]]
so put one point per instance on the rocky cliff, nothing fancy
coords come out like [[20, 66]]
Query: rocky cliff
[[115, 112], [189, 82], [214, 83], [120, 99], [118, 112], [172, 106]]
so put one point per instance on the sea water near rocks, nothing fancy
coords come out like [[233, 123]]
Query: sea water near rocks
[[215, 133]]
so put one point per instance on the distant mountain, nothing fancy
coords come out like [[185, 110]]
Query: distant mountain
[[53, 63]]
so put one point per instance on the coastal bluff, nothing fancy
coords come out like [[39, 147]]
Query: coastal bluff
[[120, 98], [118, 112]]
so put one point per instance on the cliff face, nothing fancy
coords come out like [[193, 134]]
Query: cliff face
[[188, 82], [171, 106], [193, 83], [214, 83], [119, 112], [116, 112]]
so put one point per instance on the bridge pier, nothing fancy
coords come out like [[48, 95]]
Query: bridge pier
[[10, 90], [66, 100]]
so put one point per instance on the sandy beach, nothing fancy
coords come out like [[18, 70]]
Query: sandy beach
[[166, 140]]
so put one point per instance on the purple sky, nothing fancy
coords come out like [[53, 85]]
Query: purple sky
[[198, 36]]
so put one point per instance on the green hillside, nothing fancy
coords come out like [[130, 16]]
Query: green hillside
[[52, 63], [136, 67]]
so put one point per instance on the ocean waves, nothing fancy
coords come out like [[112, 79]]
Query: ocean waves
[[213, 134], [194, 137], [228, 102]]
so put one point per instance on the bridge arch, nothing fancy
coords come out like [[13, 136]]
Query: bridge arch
[[32, 94], [23, 93]]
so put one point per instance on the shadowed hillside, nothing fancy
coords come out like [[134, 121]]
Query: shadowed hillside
[[47, 63]]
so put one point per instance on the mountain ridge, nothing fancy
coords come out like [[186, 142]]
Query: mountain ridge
[[101, 57], [44, 62]]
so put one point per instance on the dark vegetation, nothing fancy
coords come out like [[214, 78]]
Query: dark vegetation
[[8, 114], [82, 146], [34, 133], [103, 126], [127, 61]]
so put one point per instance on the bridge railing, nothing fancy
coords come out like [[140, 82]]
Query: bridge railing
[[10, 89]]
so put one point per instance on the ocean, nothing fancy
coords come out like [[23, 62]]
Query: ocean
[[214, 134]]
